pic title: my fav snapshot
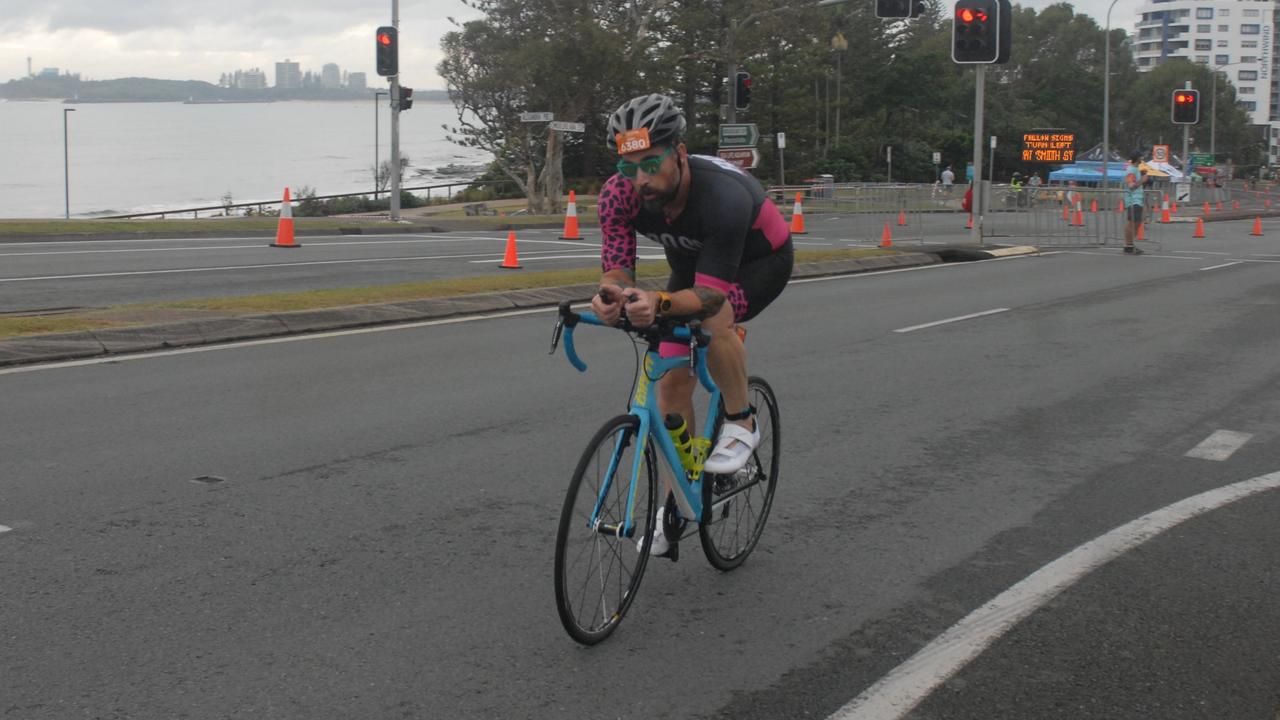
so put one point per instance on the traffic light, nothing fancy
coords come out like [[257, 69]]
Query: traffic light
[[1186, 107], [742, 95], [899, 8], [975, 31], [388, 51], [406, 98]]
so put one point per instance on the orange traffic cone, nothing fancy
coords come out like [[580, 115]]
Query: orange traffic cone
[[571, 219], [968, 225], [1120, 207], [1199, 233], [1142, 231], [902, 218], [1078, 221], [1206, 208], [1164, 216], [1173, 207], [1257, 227], [1093, 206], [886, 238], [797, 217], [284, 229], [509, 260], [1235, 204], [1065, 216]]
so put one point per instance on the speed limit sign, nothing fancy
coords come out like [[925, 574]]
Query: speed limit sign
[[1160, 153]]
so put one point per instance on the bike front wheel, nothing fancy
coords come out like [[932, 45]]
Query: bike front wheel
[[599, 563], [735, 507]]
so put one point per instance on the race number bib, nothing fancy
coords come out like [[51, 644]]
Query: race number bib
[[633, 141]]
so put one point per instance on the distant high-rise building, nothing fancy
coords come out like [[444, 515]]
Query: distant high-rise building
[[330, 76], [253, 79], [288, 75], [356, 81]]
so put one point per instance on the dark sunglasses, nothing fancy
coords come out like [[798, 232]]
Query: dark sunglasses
[[650, 165]]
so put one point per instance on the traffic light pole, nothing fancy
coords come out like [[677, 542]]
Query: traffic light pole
[[395, 125], [1186, 137], [977, 205]]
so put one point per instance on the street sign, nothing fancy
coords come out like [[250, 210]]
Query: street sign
[[1202, 159], [1182, 192], [937, 158], [782, 140], [1160, 153], [1049, 147], [745, 158], [740, 135], [536, 117], [568, 126]]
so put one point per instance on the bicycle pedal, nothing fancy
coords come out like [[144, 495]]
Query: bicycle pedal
[[672, 553]]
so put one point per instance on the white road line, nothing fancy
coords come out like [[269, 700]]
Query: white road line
[[222, 268], [798, 242], [146, 355], [310, 241], [896, 694], [1199, 252], [1223, 265], [936, 323], [1219, 446], [5, 528], [595, 255]]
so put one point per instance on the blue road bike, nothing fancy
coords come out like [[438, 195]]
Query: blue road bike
[[610, 512]]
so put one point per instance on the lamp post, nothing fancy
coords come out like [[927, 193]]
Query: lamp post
[[66, 165], [1106, 100], [376, 95]]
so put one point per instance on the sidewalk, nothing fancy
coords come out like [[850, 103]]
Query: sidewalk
[[231, 328]]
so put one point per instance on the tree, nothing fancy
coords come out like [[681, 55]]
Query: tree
[[562, 56]]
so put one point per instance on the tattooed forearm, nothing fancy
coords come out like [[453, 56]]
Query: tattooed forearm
[[712, 300]]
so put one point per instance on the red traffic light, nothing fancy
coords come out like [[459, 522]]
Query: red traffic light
[[968, 15], [384, 38], [1183, 98]]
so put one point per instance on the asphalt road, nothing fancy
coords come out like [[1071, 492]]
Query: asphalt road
[[380, 542], [97, 272]]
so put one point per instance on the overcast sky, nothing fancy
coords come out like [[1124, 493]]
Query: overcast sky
[[199, 40]]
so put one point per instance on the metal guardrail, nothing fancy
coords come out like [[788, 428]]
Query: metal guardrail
[[262, 204]]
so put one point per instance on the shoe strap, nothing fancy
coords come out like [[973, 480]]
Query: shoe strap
[[751, 410]]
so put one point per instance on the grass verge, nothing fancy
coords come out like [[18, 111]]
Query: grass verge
[[160, 312]]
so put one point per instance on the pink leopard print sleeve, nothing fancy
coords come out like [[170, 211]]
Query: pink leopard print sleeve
[[618, 205]]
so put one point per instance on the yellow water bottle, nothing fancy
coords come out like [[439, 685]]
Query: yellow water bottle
[[680, 436]]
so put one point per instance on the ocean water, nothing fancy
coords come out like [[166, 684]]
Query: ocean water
[[138, 157]]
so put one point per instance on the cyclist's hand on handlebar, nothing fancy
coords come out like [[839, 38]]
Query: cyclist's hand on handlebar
[[641, 307], [607, 303]]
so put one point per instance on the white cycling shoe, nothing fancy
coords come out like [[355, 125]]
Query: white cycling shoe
[[660, 544], [733, 449]]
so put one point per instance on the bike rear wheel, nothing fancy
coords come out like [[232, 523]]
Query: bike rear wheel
[[597, 569], [737, 506]]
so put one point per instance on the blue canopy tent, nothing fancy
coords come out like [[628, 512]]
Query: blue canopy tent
[[1087, 171]]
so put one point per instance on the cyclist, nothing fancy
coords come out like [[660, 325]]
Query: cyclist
[[728, 246]]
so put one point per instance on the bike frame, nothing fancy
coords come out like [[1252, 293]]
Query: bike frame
[[686, 482]]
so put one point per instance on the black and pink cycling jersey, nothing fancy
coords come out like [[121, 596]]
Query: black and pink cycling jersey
[[730, 236]]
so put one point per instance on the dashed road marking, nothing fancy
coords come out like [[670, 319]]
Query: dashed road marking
[[935, 323], [5, 528], [1223, 265], [1219, 446], [898, 693]]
